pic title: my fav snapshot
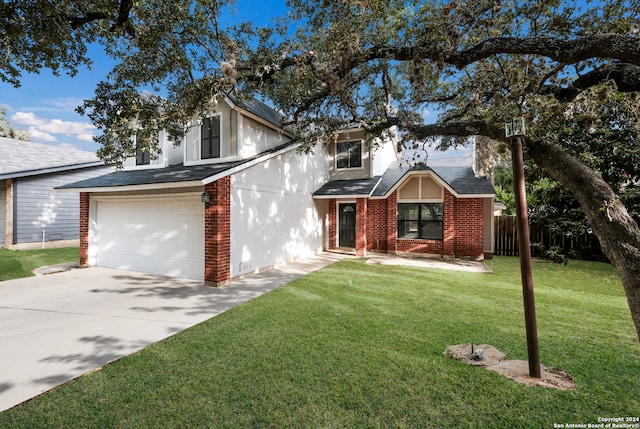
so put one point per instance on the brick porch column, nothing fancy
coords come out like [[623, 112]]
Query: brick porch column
[[392, 222], [449, 233], [217, 233], [361, 226], [85, 198], [333, 228]]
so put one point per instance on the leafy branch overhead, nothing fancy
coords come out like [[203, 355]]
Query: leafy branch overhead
[[441, 71]]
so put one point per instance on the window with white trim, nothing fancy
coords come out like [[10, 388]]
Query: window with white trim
[[349, 154], [210, 138], [142, 155]]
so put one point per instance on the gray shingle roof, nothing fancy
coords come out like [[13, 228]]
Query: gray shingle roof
[[171, 174], [21, 158], [259, 109], [460, 178], [348, 187]]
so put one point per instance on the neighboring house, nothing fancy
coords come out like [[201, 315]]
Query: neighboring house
[[32, 212], [237, 196]]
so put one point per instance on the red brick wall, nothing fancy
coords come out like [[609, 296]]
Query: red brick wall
[[450, 232], [469, 236], [377, 225], [333, 228], [217, 233], [84, 228], [376, 228], [392, 222], [361, 226]]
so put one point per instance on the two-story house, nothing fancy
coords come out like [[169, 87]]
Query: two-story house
[[237, 196]]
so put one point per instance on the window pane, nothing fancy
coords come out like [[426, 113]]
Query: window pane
[[349, 154], [408, 211], [432, 211], [210, 138], [142, 156], [355, 155], [431, 230]]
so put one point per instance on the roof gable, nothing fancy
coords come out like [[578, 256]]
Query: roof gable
[[259, 109], [459, 180]]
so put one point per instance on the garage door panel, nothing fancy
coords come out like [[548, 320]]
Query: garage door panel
[[163, 236]]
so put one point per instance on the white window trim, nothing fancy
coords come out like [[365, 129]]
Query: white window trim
[[159, 162], [335, 156], [198, 148]]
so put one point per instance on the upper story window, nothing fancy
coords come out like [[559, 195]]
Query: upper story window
[[210, 138], [142, 155], [349, 154]]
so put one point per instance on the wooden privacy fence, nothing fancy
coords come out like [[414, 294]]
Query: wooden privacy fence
[[506, 240]]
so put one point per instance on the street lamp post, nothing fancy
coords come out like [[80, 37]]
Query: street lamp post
[[515, 132]]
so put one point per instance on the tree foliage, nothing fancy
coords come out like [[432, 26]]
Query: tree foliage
[[374, 64], [6, 130]]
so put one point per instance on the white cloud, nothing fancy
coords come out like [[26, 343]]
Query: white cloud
[[44, 129], [37, 135]]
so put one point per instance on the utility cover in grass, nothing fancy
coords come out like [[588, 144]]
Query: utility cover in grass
[[518, 370]]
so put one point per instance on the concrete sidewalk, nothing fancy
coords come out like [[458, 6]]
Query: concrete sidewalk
[[54, 328]]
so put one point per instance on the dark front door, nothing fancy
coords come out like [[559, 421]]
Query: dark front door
[[347, 225]]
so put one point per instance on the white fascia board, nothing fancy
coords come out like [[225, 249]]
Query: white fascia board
[[249, 164], [144, 187]]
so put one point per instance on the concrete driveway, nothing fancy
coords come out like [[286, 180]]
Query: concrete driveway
[[57, 327]]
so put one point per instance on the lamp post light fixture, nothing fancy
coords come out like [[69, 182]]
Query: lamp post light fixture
[[206, 199], [515, 131], [515, 127]]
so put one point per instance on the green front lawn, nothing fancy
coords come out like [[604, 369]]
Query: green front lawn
[[15, 264], [359, 345]]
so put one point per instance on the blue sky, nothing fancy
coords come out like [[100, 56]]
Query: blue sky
[[44, 105]]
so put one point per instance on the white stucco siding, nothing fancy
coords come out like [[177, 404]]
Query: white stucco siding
[[385, 153], [274, 218], [256, 138]]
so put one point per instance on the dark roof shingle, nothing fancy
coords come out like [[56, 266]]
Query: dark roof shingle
[[171, 174], [460, 178], [348, 187]]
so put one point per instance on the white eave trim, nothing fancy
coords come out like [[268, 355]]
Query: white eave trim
[[142, 187]]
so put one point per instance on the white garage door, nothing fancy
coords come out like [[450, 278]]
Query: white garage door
[[154, 235]]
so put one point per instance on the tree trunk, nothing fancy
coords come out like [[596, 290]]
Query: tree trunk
[[618, 233]]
